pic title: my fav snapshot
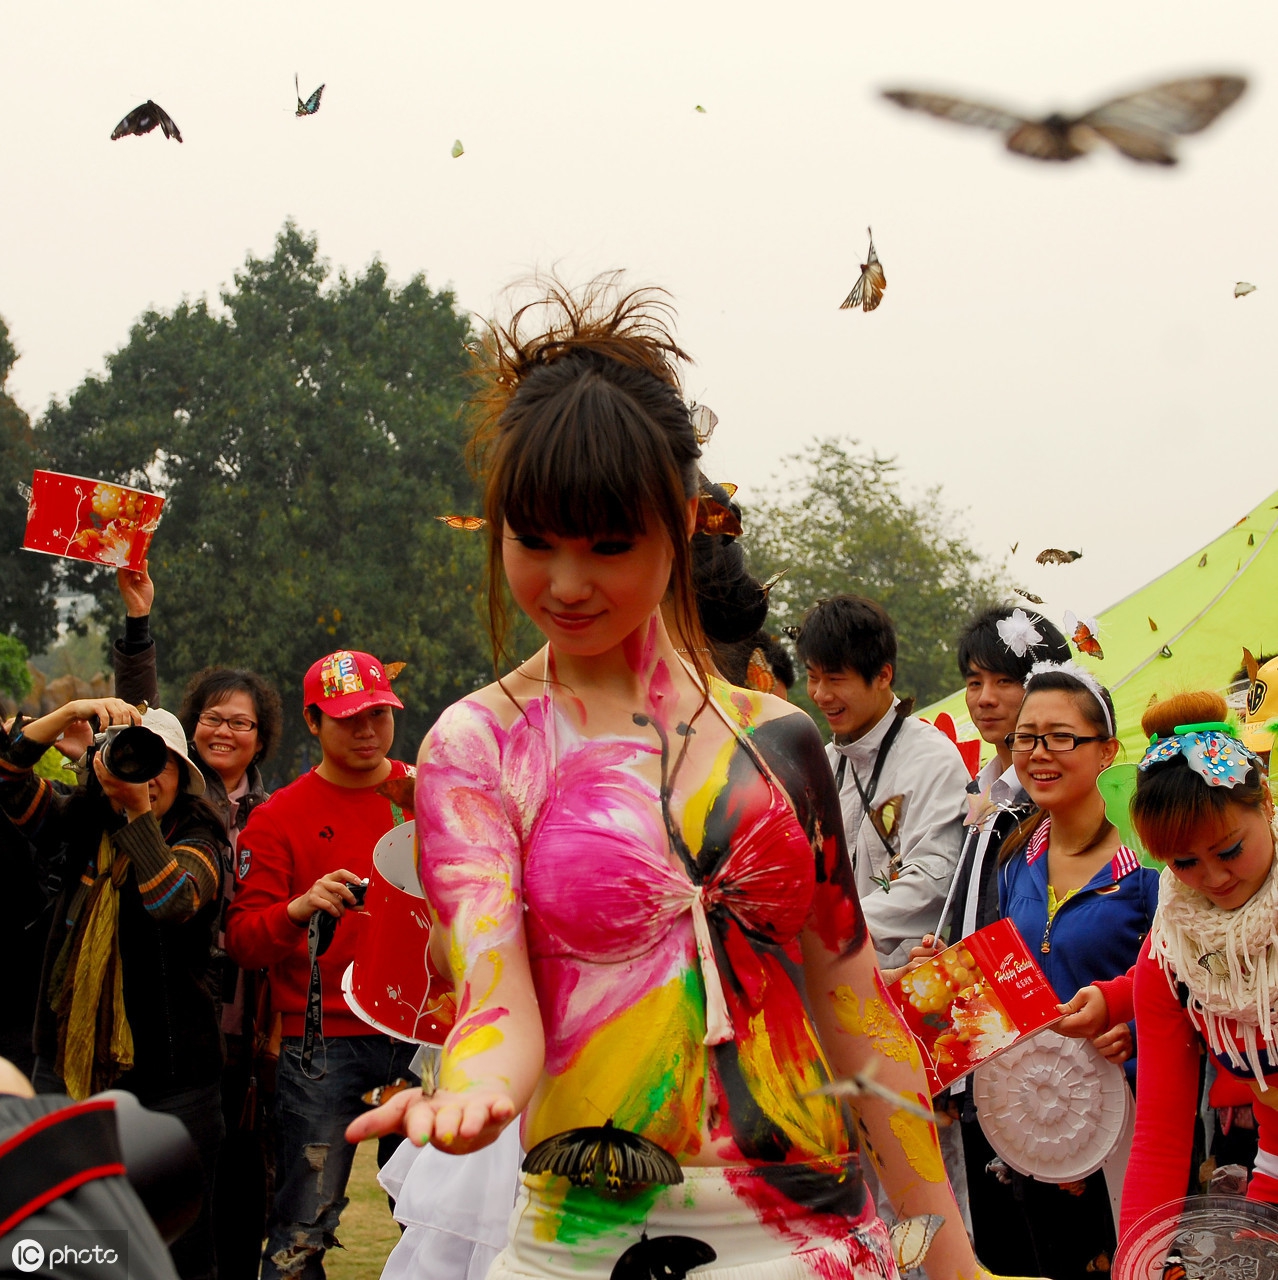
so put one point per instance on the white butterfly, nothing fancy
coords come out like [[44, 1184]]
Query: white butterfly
[[1242, 289], [867, 293], [863, 1083], [912, 1238]]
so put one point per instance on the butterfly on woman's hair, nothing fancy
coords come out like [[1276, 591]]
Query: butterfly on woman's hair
[[311, 105], [469, 523], [1142, 125], [867, 293], [759, 675], [704, 421], [1082, 631], [603, 1154], [143, 119], [662, 1258]]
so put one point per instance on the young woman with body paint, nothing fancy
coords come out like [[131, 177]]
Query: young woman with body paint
[[638, 872]]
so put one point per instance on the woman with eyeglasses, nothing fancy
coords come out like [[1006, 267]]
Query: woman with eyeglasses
[[1083, 903]]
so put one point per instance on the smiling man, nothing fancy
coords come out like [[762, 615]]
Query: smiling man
[[901, 782], [298, 855]]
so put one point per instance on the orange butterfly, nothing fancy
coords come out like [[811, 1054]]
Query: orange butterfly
[[1143, 125], [867, 293], [469, 523], [759, 675], [1082, 631], [714, 517], [385, 1092]]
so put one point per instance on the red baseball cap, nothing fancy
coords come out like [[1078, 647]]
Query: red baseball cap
[[347, 682]]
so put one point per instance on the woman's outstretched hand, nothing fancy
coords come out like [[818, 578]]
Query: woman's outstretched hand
[[1086, 1015], [455, 1122]]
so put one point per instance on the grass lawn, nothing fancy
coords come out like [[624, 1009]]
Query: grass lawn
[[367, 1229]]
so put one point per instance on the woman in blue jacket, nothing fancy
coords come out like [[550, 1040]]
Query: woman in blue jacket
[[1083, 903]]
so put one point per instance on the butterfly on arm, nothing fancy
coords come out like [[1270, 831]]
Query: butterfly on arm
[[1142, 125], [604, 1156], [143, 119]]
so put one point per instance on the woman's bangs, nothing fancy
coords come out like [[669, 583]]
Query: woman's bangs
[[574, 474]]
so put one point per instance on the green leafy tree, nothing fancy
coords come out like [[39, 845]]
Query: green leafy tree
[[15, 679], [27, 580], [305, 438], [841, 524]]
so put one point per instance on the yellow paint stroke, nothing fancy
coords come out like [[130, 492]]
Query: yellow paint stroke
[[697, 808], [847, 1009], [880, 1022], [919, 1143]]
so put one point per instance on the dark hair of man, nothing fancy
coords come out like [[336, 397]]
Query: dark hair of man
[[980, 645], [847, 633], [214, 684]]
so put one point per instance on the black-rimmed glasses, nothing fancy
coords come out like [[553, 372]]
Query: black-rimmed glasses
[[236, 724], [1057, 743]]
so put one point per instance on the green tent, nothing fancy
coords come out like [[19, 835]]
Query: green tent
[[1205, 614]]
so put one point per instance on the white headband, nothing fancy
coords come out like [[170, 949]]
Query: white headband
[[1083, 676]]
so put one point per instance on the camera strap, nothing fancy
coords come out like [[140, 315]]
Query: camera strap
[[53, 1155], [318, 935]]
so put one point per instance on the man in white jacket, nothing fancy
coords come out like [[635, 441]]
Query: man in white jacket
[[901, 782]]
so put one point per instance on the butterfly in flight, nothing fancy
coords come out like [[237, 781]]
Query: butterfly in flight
[[662, 1258], [1143, 125], [604, 1154], [1153, 626], [143, 119], [469, 523], [1055, 556], [1242, 289], [1015, 545], [1028, 595], [457, 149], [867, 293], [311, 105], [912, 1238], [1082, 631], [1202, 564], [863, 1083]]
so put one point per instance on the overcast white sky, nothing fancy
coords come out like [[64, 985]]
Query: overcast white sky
[[1058, 345]]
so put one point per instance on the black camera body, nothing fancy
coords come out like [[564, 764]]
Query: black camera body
[[130, 752], [326, 925]]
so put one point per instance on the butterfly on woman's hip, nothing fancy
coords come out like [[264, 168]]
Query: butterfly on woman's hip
[[604, 1155]]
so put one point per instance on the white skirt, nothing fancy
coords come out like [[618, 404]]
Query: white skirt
[[455, 1210]]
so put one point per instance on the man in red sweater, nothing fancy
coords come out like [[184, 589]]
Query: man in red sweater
[[297, 859]]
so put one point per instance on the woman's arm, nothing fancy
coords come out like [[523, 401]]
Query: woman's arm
[[469, 854]]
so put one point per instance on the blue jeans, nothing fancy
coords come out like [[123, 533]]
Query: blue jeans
[[312, 1157]]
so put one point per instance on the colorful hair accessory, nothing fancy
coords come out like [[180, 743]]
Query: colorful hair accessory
[[1210, 751], [1084, 677], [1018, 633]]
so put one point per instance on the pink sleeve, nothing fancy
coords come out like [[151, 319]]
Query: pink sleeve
[[1166, 1095]]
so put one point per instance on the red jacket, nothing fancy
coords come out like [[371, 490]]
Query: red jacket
[[304, 831]]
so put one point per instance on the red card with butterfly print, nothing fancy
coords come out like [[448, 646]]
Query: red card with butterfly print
[[92, 520], [973, 1001]]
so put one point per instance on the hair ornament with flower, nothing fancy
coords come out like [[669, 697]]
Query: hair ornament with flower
[[1019, 633]]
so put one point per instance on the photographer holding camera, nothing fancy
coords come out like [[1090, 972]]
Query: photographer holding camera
[[124, 1001], [302, 861]]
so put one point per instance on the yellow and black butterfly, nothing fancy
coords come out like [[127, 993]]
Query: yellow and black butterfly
[[867, 293], [1054, 555], [912, 1238], [1143, 125], [662, 1258], [604, 1155], [469, 523], [311, 105], [143, 119], [886, 816]]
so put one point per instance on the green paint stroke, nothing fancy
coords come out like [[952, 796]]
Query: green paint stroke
[[588, 1214]]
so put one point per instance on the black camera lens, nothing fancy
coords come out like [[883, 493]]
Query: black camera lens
[[134, 754]]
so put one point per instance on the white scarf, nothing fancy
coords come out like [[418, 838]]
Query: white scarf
[[1228, 960]]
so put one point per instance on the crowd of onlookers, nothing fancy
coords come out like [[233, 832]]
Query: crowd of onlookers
[[166, 933]]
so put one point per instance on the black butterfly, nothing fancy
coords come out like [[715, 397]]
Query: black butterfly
[[616, 1157], [143, 119], [311, 105], [664, 1258], [1141, 125]]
